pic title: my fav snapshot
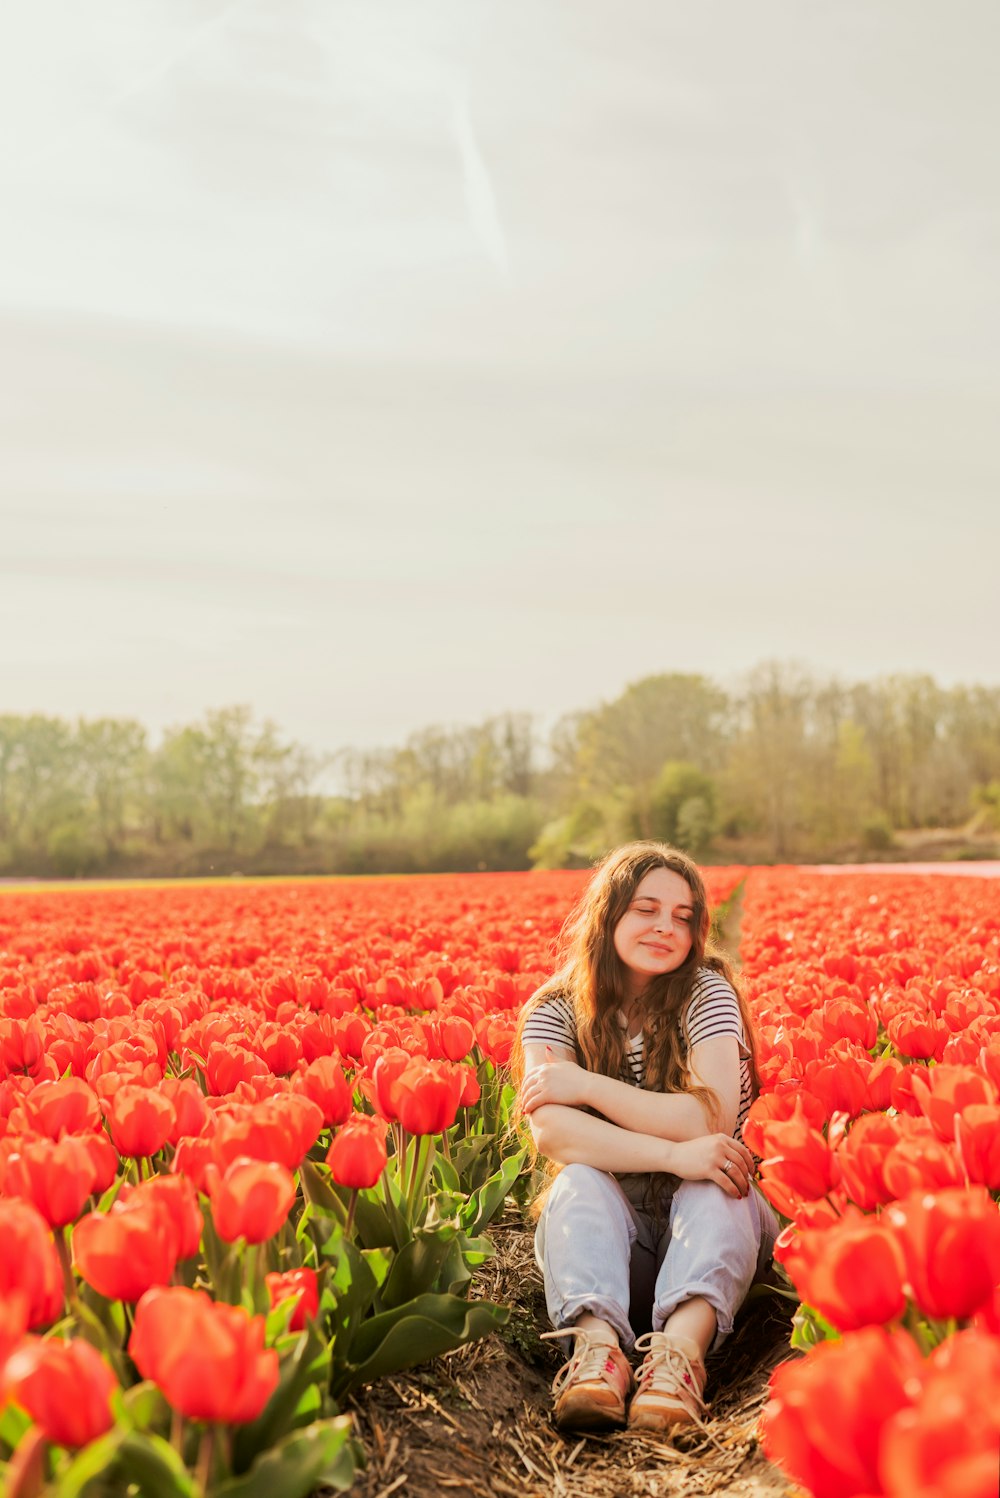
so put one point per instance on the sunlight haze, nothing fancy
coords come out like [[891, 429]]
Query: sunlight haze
[[381, 364]]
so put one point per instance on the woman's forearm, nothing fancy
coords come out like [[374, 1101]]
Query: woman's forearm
[[667, 1115], [571, 1137]]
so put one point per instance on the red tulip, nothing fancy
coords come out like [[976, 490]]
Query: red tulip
[[471, 1090], [799, 1165], [861, 1157], [14, 1312], [850, 1019], [68, 1106], [190, 1109], [977, 1137], [225, 1066], [385, 1070], [177, 1195], [29, 1262], [917, 1035], [252, 1200], [427, 1095], [57, 1177], [140, 1121], [457, 1036], [280, 1048], [864, 1378], [920, 1162], [882, 1077], [840, 1082], [779, 1106], [947, 1445], [951, 1246], [324, 1082], [495, 1037], [66, 1388], [209, 1360], [357, 1156], [852, 1273], [123, 1252], [22, 1047], [296, 1282], [943, 1091]]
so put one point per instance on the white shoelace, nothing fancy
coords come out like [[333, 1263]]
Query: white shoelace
[[667, 1369], [587, 1361]]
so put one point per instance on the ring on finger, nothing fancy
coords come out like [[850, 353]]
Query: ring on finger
[[728, 1166]]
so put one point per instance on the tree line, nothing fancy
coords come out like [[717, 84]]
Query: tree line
[[783, 767]]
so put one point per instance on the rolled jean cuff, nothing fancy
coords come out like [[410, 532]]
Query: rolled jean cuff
[[578, 1305]]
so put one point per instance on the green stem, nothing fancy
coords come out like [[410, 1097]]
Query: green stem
[[206, 1456], [352, 1203], [422, 1154], [251, 1261], [69, 1282], [411, 1173]]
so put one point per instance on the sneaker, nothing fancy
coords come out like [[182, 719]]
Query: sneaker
[[670, 1382], [592, 1388]]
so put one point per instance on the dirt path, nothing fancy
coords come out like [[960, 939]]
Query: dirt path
[[478, 1422]]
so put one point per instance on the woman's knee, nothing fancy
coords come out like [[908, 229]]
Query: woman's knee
[[711, 1212], [583, 1183], [582, 1200]]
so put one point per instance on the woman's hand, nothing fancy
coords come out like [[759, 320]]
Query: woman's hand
[[714, 1157], [555, 1082]]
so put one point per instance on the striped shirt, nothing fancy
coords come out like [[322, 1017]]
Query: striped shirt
[[712, 1009]]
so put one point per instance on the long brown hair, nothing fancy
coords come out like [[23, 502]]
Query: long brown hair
[[592, 977]]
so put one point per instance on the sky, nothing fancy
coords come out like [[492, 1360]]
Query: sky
[[381, 365]]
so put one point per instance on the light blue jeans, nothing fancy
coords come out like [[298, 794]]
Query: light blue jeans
[[712, 1245]]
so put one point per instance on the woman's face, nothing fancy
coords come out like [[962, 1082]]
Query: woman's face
[[655, 934]]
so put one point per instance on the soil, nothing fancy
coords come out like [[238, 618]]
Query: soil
[[478, 1421]]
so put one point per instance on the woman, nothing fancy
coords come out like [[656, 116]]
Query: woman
[[638, 1069]]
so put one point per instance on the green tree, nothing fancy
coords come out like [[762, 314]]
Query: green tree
[[683, 806], [625, 743], [111, 757]]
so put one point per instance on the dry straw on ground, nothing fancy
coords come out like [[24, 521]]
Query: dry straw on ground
[[478, 1422]]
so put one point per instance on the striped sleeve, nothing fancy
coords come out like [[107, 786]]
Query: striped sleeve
[[713, 1009], [552, 1023]]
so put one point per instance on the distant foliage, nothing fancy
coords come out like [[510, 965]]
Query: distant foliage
[[785, 767]]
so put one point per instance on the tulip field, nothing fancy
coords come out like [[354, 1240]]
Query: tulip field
[[253, 1138]]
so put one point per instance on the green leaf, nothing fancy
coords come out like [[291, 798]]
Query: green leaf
[[467, 1159], [145, 1406], [417, 1332], [322, 1455], [379, 1261], [155, 1467], [809, 1328], [278, 1317], [351, 1281], [446, 1175], [417, 1265], [148, 1462], [320, 1192], [308, 1365], [455, 1274], [13, 1424], [93, 1461], [485, 1203]]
